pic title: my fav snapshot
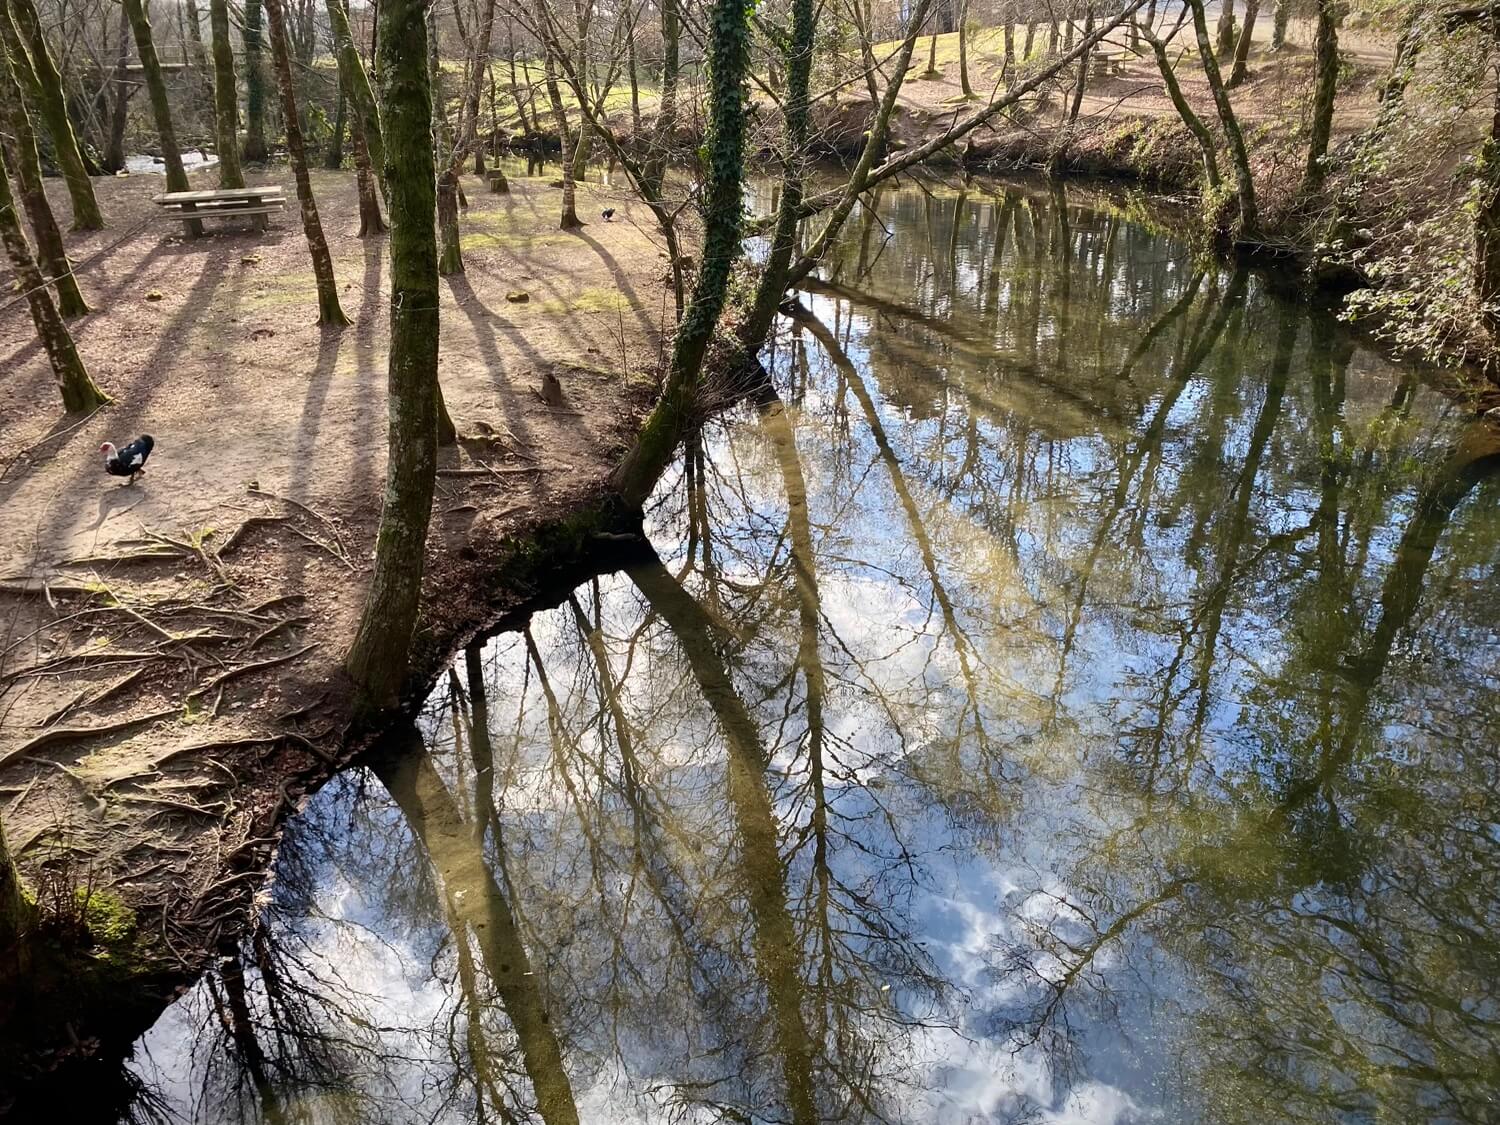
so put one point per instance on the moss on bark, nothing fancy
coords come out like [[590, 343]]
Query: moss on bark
[[226, 97]]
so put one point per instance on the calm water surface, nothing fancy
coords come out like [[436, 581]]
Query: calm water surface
[[1074, 701]]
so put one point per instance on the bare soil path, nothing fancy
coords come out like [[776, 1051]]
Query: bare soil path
[[170, 651]]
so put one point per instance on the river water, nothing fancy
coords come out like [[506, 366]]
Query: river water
[[1075, 700]]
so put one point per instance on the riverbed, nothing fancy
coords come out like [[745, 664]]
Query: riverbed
[[1070, 697]]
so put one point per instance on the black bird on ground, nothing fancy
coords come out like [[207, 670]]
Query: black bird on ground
[[607, 214], [130, 459]]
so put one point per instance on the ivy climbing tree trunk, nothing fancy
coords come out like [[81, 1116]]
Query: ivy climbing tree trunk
[[161, 107], [329, 311], [51, 253], [79, 392], [255, 84], [43, 82], [1325, 86], [226, 97], [729, 65], [356, 84], [377, 660]]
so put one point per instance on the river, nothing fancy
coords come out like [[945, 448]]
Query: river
[[1074, 700]]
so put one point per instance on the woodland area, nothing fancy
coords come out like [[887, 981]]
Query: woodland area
[[548, 340]]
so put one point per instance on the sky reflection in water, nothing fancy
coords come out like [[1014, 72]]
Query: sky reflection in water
[[1073, 701]]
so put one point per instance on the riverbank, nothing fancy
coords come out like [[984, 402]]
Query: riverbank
[[171, 664]]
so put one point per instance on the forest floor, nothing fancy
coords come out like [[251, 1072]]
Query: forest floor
[[170, 651]]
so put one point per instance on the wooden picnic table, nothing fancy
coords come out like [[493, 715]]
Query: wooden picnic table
[[192, 207]]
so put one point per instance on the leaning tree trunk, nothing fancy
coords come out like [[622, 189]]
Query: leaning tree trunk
[[377, 660], [1242, 45], [1194, 123], [255, 84], [356, 84], [226, 97], [370, 220], [1326, 62], [41, 76], [329, 311], [161, 108], [79, 393], [729, 64], [1239, 153], [49, 241]]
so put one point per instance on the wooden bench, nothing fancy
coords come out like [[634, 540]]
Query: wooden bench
[[191, 207]]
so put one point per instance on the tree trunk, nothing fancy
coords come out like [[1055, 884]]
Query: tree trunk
[[39, 77], [51, 254], [329, 311], [1191, 119], [16, 918], [1083, 68], [78, 390], [370, 220], [377, 660], [932, 70], [1244, 183], [255, 85], [1224, 32], [114, 151], [1280, 17], [1242, 45], [450, 257], [729, 64], [356, 85], [1009, 63], [569, 220], [1326, 63], [226, 97], [161, 107], [797, 130], [41, 74], [666, 114], [333, 159], [963, 49]]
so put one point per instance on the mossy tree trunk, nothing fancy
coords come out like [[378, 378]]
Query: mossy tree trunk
[[377, 660], [1238, 152], [226, 97], [1206, 143], [1325, 86], [51, 253], [370, 220], [1280, 17], [329, 310], [41, 76], [156, 88], [16, 916], [79, 393], [255, 83], [356, 84], [333, 159], [729, 63]]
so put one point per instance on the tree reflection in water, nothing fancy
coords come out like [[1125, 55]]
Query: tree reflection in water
[[1076, 700]]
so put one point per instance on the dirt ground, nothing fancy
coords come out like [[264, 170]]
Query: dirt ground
[[170, 651]]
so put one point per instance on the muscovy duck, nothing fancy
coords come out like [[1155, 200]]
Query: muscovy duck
[[129, 460]]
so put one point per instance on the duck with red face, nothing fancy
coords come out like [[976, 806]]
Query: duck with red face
[[130, 459]]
